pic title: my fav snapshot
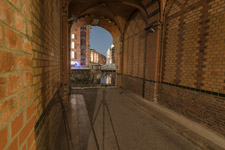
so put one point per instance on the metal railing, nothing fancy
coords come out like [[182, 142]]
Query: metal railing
[[88, 77]]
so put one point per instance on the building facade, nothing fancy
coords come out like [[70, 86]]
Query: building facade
[[80, 46], [96, 57], [110, 55]]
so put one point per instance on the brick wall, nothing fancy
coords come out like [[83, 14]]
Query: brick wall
[[46, 43], [192, 75], [134, 46], [30, 73], [16, 97], [140, 50], [193, 81], [117, 53], [133, 54]]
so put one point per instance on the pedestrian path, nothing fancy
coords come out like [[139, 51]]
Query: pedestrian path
[[105, 120]]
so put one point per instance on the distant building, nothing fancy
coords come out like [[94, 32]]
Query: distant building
[[110, 55], [80, 46], [102, 59], [96, 57]]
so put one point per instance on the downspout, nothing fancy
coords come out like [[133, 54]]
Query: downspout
[[158, 59], [63, 13], [122, 59], [161, 46], [69, 48], [144, 70]]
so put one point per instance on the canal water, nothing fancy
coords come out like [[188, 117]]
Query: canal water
[[90, 78], [108, 79]]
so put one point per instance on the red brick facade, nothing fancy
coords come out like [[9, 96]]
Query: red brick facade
[[80, 45], [96, 57]]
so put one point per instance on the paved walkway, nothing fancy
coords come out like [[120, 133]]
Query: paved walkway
[[117, 125]]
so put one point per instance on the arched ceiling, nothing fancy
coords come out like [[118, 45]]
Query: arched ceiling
[[109, 14], [102, 22]]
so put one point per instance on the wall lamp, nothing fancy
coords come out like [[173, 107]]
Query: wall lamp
[[73, 19], [153, 27]]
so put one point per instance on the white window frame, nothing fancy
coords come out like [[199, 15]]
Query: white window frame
[[72, 54], [73, 36], [73, 45], [92, 57]]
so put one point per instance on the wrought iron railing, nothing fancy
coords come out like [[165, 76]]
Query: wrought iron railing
[[86, 77]]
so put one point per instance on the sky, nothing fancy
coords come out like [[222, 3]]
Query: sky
[[101, 39]]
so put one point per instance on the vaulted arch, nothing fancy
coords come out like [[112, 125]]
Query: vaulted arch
[[117, 11]]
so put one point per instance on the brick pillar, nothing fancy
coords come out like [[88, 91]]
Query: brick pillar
[[118, 42], [65, 52], [69, 55], [121, 55], [159, 51]]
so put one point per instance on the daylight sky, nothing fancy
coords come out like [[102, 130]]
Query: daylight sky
[[101, 39]]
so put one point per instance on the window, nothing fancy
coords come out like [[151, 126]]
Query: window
[[83, 27], [73, 36], [92, 56], [97, 57], [73, 45], [72, 54], [83, 52], [82, 62], [83, 47], [83, 34], [75, 55], [83, 42]]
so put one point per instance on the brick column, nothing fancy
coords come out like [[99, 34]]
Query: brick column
[[65, 52]]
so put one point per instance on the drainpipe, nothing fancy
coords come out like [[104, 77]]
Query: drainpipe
[[64, 13], [122, 58], [156, 84], [69, 48], [144, 70], [160, 52]]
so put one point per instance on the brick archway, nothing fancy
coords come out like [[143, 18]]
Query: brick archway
[[175, 56]]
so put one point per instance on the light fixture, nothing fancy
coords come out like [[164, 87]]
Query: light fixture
[[152, 30]]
